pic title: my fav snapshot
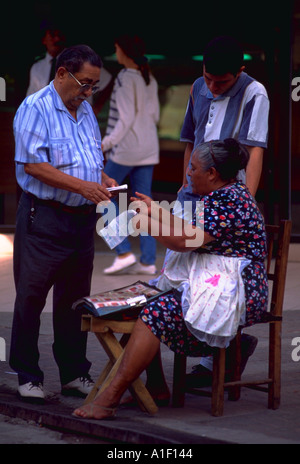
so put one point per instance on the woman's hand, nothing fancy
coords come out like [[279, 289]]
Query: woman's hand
[[141, 202]]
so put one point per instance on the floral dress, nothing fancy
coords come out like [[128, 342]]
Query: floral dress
[[231, 216]]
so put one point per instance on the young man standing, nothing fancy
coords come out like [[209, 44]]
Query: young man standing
[[225, 103]]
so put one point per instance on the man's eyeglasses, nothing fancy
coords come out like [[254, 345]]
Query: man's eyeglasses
[[86, 87]]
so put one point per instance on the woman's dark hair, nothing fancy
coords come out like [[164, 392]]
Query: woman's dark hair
[[223, 55], [226, 156], [134, 47], [73, 58]]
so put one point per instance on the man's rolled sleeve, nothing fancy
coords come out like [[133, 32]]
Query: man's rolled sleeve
[[31, 137]]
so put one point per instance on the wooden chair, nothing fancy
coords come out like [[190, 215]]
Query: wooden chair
[[278, 247], [106, 331]]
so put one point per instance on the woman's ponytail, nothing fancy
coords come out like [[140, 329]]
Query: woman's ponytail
[[134, 48]]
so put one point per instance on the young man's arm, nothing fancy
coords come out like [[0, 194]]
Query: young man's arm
[[187, 155]]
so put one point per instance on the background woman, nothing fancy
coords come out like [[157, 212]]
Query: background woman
[[131, 142]]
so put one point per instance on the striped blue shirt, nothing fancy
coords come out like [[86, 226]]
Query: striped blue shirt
[[45, 132], [241, 113]]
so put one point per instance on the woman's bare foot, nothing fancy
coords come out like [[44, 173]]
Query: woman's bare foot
[[103, 407], [94, 411]]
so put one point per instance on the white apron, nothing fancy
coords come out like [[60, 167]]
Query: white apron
[[213, 297]]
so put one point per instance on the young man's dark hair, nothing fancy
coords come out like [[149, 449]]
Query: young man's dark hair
[[223, 55]]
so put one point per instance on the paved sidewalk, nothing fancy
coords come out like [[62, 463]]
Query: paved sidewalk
[[245, 421]]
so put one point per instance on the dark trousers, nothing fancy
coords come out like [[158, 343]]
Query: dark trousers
[[52, 248]]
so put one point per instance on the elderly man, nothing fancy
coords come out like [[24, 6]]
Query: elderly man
[[59, 167]]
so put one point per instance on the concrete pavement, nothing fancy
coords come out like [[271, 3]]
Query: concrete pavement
[[246, 421]]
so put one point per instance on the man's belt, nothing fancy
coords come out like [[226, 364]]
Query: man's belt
[[83, 209]]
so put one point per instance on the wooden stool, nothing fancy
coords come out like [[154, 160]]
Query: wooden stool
[[105, 331]]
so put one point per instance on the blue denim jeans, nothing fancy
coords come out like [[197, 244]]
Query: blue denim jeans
[[141, 181]]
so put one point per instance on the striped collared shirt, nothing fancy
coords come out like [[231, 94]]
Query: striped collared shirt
[[240, 113], [45, 131]]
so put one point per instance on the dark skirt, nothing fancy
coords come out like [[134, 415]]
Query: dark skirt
[[165, 320]]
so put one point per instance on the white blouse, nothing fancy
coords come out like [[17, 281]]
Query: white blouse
[[131, 137]]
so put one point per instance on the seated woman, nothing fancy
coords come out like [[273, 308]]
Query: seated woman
[[216, 270]]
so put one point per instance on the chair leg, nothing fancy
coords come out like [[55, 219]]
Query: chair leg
[[275, 365], [217, 399], [234, 393], [179, 374]]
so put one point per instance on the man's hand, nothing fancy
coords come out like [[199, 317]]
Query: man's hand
[[94, 192], [51, 176], [109, 182]]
